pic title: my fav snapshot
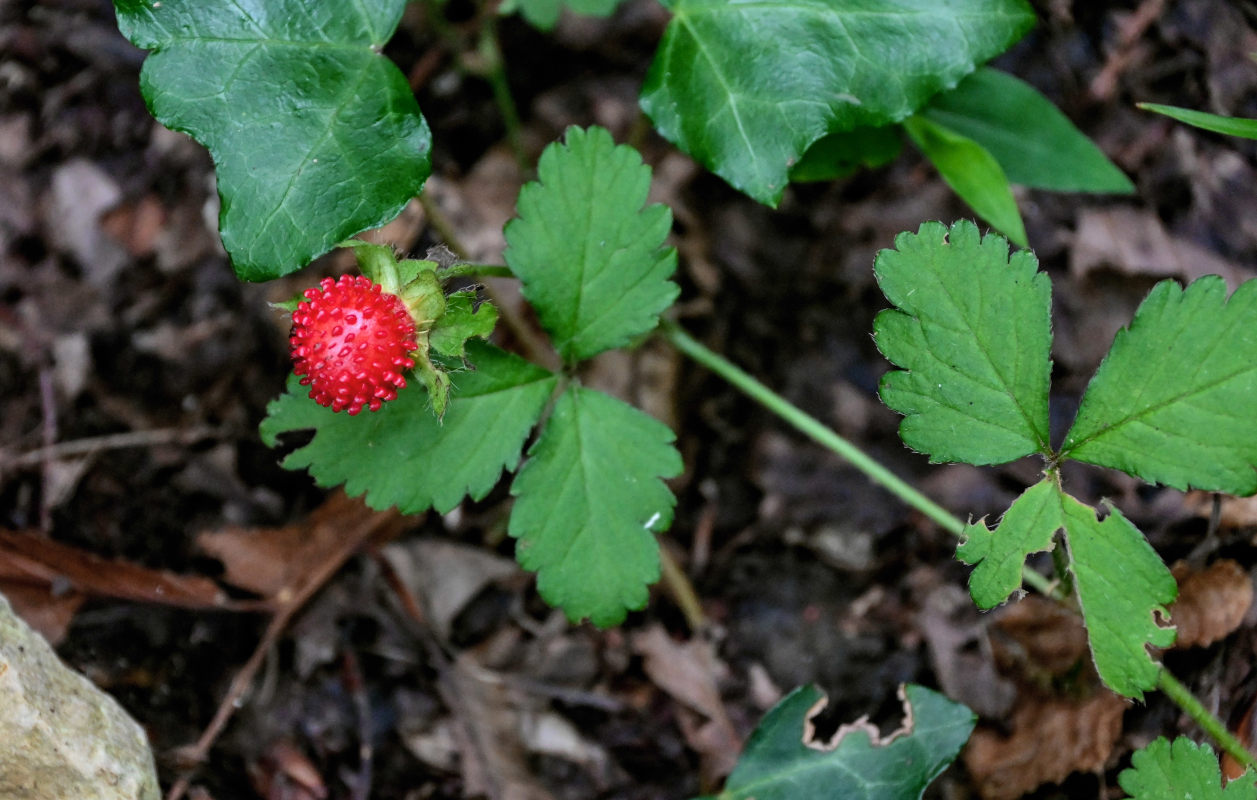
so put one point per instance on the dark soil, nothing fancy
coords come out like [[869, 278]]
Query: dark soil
[[120, 313]]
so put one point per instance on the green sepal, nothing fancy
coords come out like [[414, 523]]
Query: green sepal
[[462, 320]]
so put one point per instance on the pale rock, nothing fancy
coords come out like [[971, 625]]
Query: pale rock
[[60, 736]]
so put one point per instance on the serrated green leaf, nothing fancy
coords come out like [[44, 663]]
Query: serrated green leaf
[[973, 337], [781, 762], [971, 172], [543, 14], [1121, 584], [404, 456], [1031, 139], [1174, 400], [589, 499], [746, 88], [590, 257], [1231, 126], [840, 154], [1183, 769], [314, 134], [1027, 527], [461, 321]]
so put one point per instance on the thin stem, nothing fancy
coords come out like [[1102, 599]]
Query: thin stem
[[495, 72], [1208, 722], [682, 590]]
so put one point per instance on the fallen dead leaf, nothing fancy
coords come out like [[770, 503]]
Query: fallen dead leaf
[[1038, 641], [1234, 512], [1211, 604], [46, 611], [446, 575], [1133, 241], [1051, 738], [690, 673]]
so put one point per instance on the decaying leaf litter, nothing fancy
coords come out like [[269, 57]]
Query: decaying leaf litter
[[120, 317]]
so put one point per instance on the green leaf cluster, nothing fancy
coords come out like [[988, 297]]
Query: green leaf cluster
[[1171, 403], [590, 496], [1167, 770], [315, 135], [783, 761]]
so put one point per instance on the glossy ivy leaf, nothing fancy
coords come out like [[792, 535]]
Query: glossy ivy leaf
[[315, 135], [1174, 400], [589, 502], [402, 455], [972, 173], [972, 336], [1231, 126], [746, 88], [461, 321], [1122, 584], [1183, 769], [543, 14], [590, 257], [783, 760], [1034, 143], [998, 555], [840, 154]]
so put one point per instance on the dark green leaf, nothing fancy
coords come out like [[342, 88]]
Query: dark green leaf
[[746, 88], [972, 336], [1175, 399], [402, 455], [543, 14], [972, 173], [1031, 139], [591, 258], [1231, 126], [589, 501], [314, 134], [1122, 584], [783, 760]]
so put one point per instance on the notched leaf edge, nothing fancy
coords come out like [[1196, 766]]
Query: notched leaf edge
[[860, 725]]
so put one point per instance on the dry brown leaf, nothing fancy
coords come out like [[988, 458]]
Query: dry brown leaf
[[37, 560], [1211, 604], [1038, 640], [46, 611], [1050, 740], [690, 672], [1134, 241], [1234, 512], [273, 561]]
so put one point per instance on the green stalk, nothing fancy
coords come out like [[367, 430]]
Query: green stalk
[[1208, 722], [495, 72]]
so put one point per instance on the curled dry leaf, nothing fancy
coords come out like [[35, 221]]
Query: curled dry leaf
[[1050, 740], [1212, 602]]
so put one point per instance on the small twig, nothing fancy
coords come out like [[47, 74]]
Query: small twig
[[354, 539], [682, 590], [48, 402], [112, 441]]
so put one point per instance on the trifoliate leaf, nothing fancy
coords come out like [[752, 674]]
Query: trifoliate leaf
[[404, 456], [972, 173], [746, 88], [543, 14], [840, 154], [783, 760], [1231, 126], [1122, 584], [1175, 399], [1031, 139], [314, 134], [589, 501], [1182, 769], [461, 321], [1027, 527], [972, 336], [591, 259]]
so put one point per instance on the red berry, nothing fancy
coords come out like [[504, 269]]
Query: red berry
[[350, 342]]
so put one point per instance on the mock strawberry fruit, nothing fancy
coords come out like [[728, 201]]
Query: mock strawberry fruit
[[351, 341]]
